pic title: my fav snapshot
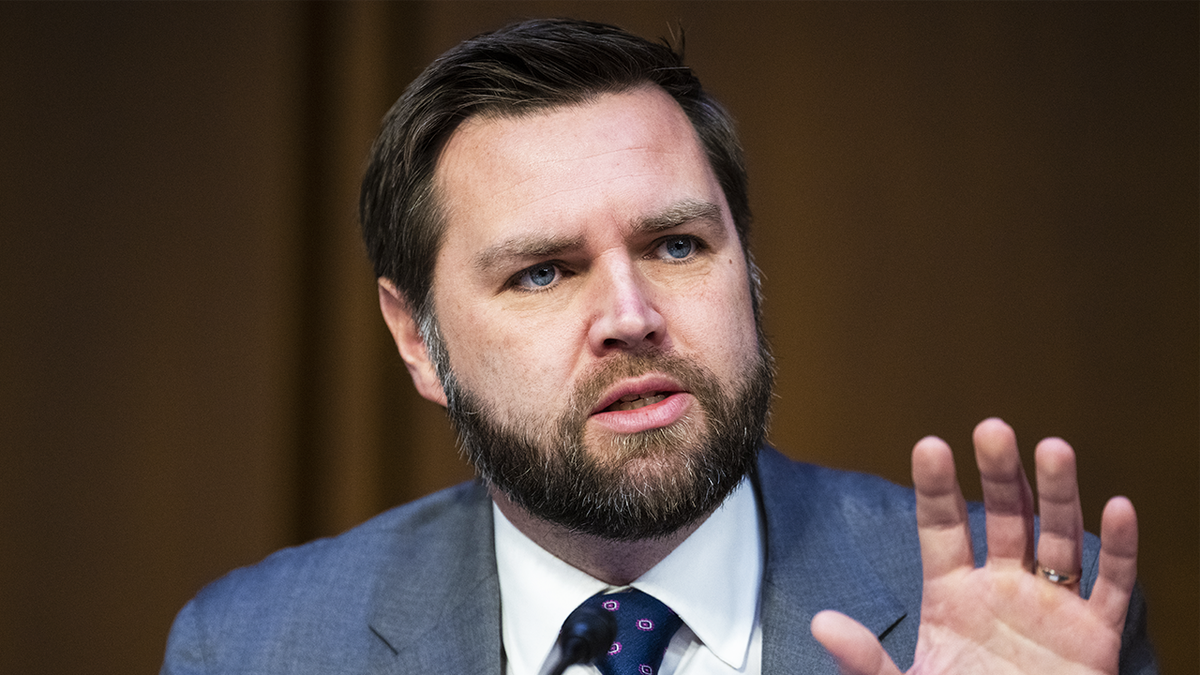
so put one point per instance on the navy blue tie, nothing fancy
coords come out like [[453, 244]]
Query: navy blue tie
[[644, 629]]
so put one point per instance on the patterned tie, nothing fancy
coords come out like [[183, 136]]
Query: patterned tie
[[644, 629]]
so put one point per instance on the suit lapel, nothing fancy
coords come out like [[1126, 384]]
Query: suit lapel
[[437, 600], [813, 563], [437, 609]]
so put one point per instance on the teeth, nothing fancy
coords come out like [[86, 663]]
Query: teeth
[[635, 401]]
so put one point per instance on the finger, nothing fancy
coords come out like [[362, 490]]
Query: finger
[[1060, 542], [852, 645], [1118, 561], [941, 510], [1007, 499]]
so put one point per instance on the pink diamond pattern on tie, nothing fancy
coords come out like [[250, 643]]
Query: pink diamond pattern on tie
[[644, 629]]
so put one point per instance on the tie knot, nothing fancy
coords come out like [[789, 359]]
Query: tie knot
[[644, 629]]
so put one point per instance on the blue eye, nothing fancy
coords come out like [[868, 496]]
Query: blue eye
[[539, 276], [678, 248]]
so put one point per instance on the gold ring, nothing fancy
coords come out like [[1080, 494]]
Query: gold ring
[[1056, 577]]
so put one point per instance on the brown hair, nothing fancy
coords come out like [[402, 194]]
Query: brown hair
[[523, 68]]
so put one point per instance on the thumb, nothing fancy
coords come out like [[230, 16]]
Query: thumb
[[855, 648]]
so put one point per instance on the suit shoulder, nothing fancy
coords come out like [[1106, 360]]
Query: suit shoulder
[[851, 490], [879, 514], [417, 525], [314, 601]]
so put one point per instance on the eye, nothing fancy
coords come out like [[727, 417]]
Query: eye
[[677, 248], [537, 277]]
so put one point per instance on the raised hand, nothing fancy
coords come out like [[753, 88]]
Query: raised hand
[[1021, 612]]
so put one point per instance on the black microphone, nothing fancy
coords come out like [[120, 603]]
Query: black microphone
[[586, 635]]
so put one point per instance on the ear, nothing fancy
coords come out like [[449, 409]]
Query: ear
[[404, 331]]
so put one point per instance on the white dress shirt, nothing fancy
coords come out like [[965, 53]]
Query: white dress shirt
[[711, 581]]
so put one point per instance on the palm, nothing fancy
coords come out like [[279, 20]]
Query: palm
[[1000, 618], [970, 620]]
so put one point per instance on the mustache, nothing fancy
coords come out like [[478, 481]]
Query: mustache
[[593, 385]]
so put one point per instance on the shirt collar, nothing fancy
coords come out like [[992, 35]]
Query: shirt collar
[[723, 557]]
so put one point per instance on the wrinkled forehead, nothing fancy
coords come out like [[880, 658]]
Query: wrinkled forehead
[[569, 159]]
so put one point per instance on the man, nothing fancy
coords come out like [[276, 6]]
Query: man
[[557, 215]]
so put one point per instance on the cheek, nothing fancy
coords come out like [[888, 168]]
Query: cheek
[[725, 318], [514, 360]]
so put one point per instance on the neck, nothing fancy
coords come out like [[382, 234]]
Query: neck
[[613, 562]]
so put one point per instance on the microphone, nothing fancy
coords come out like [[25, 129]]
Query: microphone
[[586, 635]]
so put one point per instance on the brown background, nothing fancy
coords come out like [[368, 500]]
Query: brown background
[[962, 210]]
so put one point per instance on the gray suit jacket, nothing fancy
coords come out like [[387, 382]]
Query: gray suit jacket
[[415, 590]]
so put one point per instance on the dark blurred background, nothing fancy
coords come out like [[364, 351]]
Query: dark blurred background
[[962, 210]]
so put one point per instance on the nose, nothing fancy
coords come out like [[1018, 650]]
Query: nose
[[624, 316]]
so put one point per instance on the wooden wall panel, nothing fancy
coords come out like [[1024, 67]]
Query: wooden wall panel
[[148, 319]]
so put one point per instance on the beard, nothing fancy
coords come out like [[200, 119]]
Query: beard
[[625, 486]]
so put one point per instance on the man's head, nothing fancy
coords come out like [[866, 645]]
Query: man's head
[[518, 70], [587, 311]]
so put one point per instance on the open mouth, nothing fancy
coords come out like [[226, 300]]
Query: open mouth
[[635, 401]]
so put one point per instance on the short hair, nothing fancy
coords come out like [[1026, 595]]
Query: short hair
[[523, 68]]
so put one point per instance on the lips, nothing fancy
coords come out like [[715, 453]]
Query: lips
[[639, 404], [636, 393], [635, 401]]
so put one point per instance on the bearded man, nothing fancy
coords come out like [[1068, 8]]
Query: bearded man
[[558, 219]]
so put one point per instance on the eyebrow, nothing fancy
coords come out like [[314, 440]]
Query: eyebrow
[[533, 246], [522, 248], [678, 214]]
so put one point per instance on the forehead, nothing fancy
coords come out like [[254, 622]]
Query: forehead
[[616, 158]]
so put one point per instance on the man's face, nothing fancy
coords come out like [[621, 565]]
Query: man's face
[[594, 302]]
